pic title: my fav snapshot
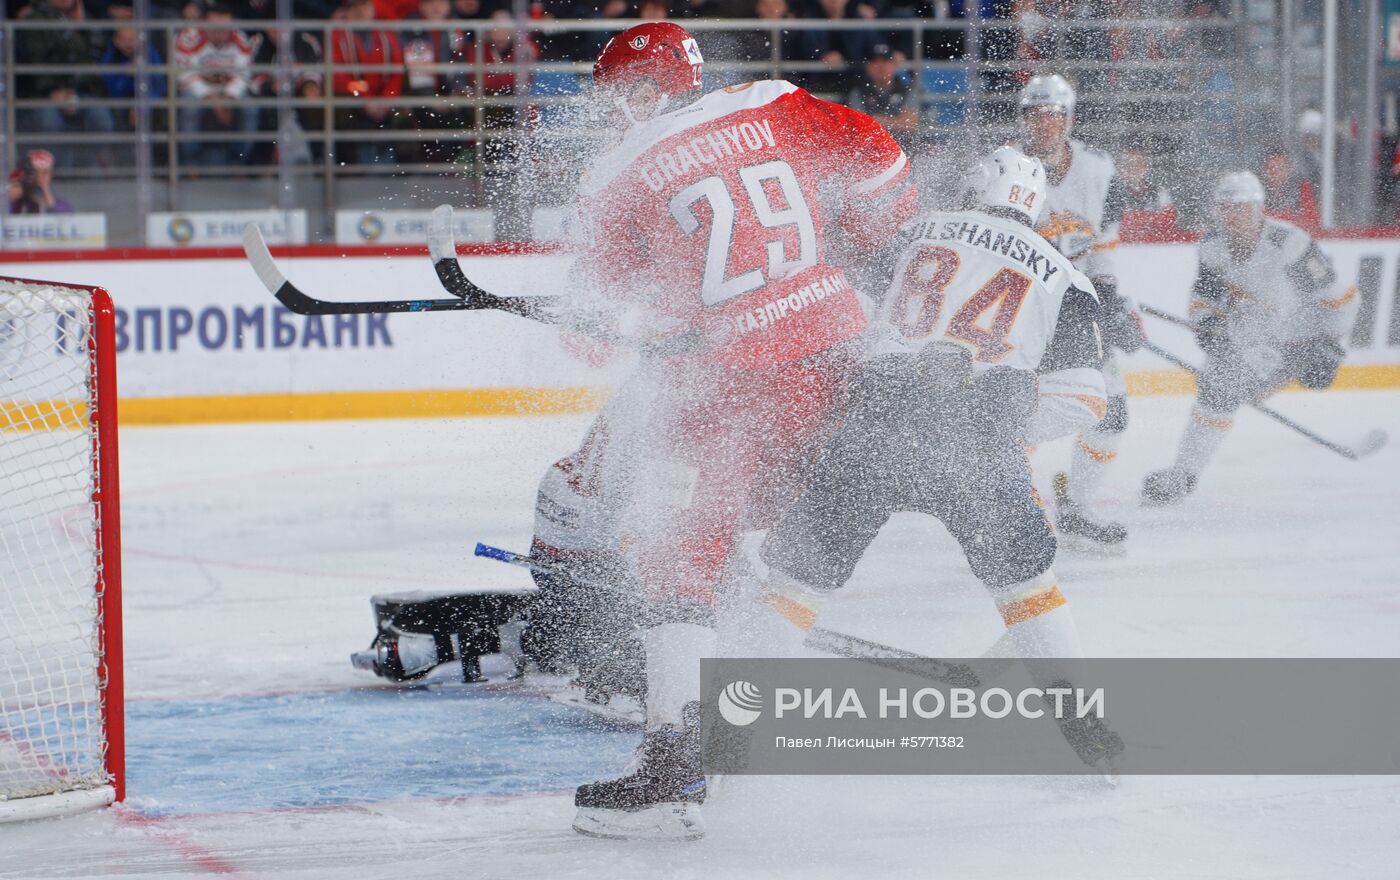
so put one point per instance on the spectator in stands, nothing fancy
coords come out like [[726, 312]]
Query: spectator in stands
[[1148, 211], [477, 9], [31, 186], [215, 59], [938, 45], [499, 50], [353, 51], [67, 112], [882, 94], [558, 45], [434, 45], [1288, 195], [266, 10], [603, 9], [837, 49], [121, 53], [654, 10], [496, 56], [121, 84], [302, 143], [394, 10], [1063, 30], [753, 45]]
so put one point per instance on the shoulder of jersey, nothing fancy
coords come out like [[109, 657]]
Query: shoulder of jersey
[[190, 40], [739, 97], [1093, 155], [1212, 249], [1284, 236]]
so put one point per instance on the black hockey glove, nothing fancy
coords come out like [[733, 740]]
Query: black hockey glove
[[1210, 333], [1121, 328], [1314, 362]]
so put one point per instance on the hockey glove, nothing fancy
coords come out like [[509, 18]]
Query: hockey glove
[[1122, 328], [1315, 362], [1210, 334]]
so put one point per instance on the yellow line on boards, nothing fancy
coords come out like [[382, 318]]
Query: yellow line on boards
[[427, 404], [313, 406], [1351, 377]]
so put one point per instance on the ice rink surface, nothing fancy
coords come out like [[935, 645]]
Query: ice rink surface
[[257, 751]]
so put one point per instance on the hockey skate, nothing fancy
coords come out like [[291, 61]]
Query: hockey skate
[[1166, 487], [1096, 744], [1077, 529], [660, 801]]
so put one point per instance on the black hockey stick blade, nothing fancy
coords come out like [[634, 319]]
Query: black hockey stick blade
[[302, 303], [442, 249]]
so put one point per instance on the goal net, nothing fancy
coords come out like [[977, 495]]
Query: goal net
[[60, 612]]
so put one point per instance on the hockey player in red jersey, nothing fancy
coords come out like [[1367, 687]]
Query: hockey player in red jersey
[[717, 224]]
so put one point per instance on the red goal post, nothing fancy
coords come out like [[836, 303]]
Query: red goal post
[[62, 737]]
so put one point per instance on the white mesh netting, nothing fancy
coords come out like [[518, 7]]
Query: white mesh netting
[[51, 731]]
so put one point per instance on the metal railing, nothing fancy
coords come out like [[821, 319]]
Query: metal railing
[[1204, 99]]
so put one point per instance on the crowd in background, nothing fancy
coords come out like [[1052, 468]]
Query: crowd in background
[[216, 62]]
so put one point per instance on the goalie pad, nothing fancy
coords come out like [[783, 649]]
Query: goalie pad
[[417, 632]]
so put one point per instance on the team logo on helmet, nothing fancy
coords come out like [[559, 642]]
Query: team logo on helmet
[[640, 41]]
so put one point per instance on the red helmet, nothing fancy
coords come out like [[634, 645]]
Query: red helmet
[[658, 50]]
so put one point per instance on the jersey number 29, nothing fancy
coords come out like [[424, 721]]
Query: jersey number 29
[[718, 285]]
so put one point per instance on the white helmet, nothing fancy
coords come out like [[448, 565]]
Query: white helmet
[[1239, 188], [1048, 90], [1009, 178]]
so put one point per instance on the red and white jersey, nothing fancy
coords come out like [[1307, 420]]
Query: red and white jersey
[[720, 218], [214, 70], [989, 283]]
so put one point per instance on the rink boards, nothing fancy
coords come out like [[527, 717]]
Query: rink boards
[[200, 340]]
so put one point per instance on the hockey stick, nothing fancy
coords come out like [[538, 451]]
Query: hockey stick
[[821, 639], [442, 249], [302, 303], [1372, 442]]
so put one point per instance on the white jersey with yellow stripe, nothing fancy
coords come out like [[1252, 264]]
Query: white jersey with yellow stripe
[[1284, 289], [1081, 213], [987, 282]]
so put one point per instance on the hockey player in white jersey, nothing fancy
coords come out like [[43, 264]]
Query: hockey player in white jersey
[[978, 305], [1083, 204], [1268, 308]]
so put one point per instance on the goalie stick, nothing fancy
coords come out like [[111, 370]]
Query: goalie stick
[[1370, 443], [837, 643]]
